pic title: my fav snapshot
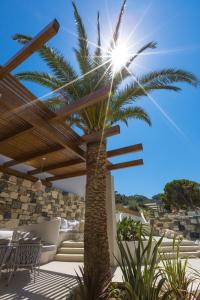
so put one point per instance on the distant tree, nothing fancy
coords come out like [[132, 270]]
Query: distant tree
[[182, 194], [157, 197]]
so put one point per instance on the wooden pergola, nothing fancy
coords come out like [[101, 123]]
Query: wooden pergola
[[30, 132]]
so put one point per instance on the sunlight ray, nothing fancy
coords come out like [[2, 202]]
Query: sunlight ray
[[104, 74], [105, 118], [27, 104], [139, 22]]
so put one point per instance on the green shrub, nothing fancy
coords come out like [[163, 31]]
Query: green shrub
[[130, 230]]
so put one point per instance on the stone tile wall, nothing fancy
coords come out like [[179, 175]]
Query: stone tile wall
[[21, 203], [182, 222]]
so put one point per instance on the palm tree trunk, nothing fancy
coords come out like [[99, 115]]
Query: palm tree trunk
[[96, 247]]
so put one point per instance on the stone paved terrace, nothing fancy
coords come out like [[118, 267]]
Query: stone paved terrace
[[55, 281]]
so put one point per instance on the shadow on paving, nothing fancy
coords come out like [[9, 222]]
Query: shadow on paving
[[48, 285]]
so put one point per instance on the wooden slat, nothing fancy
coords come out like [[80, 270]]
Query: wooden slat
[[128, 164], [22, 175], [36, 43], [32, 156], [96, 136], [33, 118], [56, 166], [124, 150], [10, 137], [74, 107]]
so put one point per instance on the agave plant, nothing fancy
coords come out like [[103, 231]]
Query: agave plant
[[182, 285], [91, 286], [70, 85], [142, 277]]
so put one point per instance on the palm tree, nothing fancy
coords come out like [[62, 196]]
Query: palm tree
[[95, 72]]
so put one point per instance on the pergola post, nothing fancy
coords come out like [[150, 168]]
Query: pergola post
[[111, 219]]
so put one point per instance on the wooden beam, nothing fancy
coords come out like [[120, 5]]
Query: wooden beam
[[22, 175], [128, 164], [111, 153], [125, 150], [96, 136], [36, 43], [66, 175], [56, 166], [32, 156], [82, 103]]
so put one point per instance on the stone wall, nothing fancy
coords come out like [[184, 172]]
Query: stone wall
[[186, 223], [21, 203]]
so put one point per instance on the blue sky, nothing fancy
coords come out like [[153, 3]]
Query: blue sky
[[170, 152]]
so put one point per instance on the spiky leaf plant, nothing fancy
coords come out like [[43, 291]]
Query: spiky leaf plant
[[91, 286], [180, 280], [141, 275]]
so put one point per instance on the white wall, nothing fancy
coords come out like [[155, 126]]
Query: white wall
[[73, 185]]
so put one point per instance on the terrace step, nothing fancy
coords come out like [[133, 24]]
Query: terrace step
[[182, 243], [70, 250], [190, 248], [72, 244], [173, 255], [69, 257]]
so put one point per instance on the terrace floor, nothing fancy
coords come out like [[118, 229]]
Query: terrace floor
[[55, 281]]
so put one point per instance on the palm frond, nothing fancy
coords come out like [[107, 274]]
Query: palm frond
[[60, 67], [125, 114], [82, 53], [132, 92], [168, 76], [54, 103], [150, 45], [98, 52], [118, 25], [46, 80], [41, 78]]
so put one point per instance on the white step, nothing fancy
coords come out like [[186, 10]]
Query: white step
[[69, 257], [71, 250], [72, 244], [182, 243], [192, 248], [171, 255]]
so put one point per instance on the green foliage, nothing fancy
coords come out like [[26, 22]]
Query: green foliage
[[142, 278], [145, 278], [179, 282], [96, 72], [125, 200], [130, 230], [90, 286], [182, 194]]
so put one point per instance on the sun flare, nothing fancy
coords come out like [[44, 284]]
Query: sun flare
[[119, 56]]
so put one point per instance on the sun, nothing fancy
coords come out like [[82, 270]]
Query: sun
[[119, 56]]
